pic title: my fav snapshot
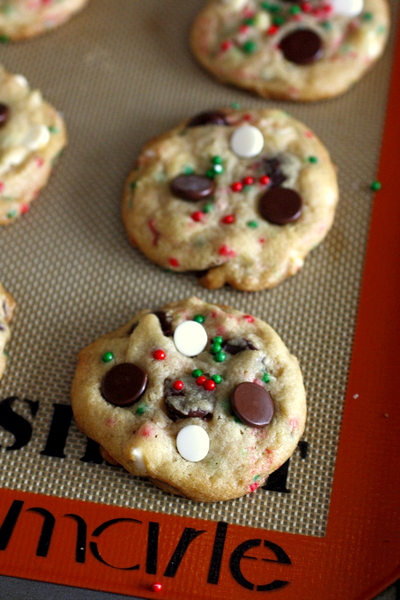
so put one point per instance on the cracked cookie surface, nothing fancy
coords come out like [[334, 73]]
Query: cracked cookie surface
[[210, 426], [240, 195]]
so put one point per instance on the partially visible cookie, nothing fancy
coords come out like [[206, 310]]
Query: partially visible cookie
[[7, 306], [20, 19], [204, 400], [291, 49], [241, 196], [32, 134]]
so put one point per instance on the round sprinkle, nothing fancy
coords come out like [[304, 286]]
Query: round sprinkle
[[218, 169], [207, 208], [228, 219], [301, 46], [376, 186], [249, 47], [190, 338], [217, 160], [192, 187], [197, 215], [178, 385], [201, 379], [266, 378], [218, 339], [209, 385], [280, 205], [252, 404], [156, 587], [107, 357], [197, 373], [220, 357], [248, 181], [159, 354], [237, 186], [216, 347], [312, 159], [217, 378], [247, 141], [124, 384], [140, 410], [174, 262], [193, 443], [199, 319]]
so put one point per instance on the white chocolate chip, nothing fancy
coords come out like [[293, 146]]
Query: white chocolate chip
[[190, 338], [34, 99], [137, 456], [37, 137], [247, 141], [21, 80], [348, 8], [262, 21], [235, 4], [193, 443], [11, 158]]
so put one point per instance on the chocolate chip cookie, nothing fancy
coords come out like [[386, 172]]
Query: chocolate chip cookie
[[204, 400], [300, 50], [20, 19], [241, 196], [7, 306], [32, 134]]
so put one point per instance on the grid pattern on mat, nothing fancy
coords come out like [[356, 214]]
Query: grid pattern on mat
[[74, 275]]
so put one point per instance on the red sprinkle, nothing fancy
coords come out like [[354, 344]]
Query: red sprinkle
[[306, 7], [228, 220], [174, 262], [247, 117], [264, 180], [159, 354], [226, 251], [248, 318], [24, 208], [1, 186], [243, 28], [248, 180], [178, 385], [197, 215], [237, 186], [39, 161], [253, 487], [156, 587], [226, 45], [209, 385], [272, 30], [201, 380]]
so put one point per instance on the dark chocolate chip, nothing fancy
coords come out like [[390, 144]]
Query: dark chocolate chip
[[302, 46], [272, 168], [237, 345], [192, 187], [252, 404], [212, 117], [165, 323], [4, 114], [280, 205], [124, 384]]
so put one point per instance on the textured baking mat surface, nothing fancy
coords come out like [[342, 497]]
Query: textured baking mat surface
[[121, 72]]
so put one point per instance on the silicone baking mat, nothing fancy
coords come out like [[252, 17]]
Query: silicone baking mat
[[121, 72]]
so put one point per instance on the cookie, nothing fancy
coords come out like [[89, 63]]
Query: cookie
[[241, 196], [20, 19], [291, 49], [7, 306], [32, 134], [204, 400]]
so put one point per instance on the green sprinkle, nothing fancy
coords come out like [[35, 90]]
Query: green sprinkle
[[249, 21], [249, 47], [278, 20], [326, 25], [216, 347], [107, 356], [217, 378], [197, 373], [199, 318], [376, 186], [367, 16], [266, 378], [210, 174], [218, 169], [252, 224], [220, 357], [312, 159], [4, 39], [218, 339], [12, 214], [132, 185], [256, 477], [207, 208], [188, 170], [247, 188], [295, 10], [236, 105], [140, 410], [217, 160], [53, 129]]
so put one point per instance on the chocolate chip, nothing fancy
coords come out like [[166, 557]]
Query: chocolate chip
[[272, 168], [212, 117], [192, 187], [280, 205], [252, 404], [192, 401], [236, 345], [165, 323], [4, 114], [302, 46], [124, 384]]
